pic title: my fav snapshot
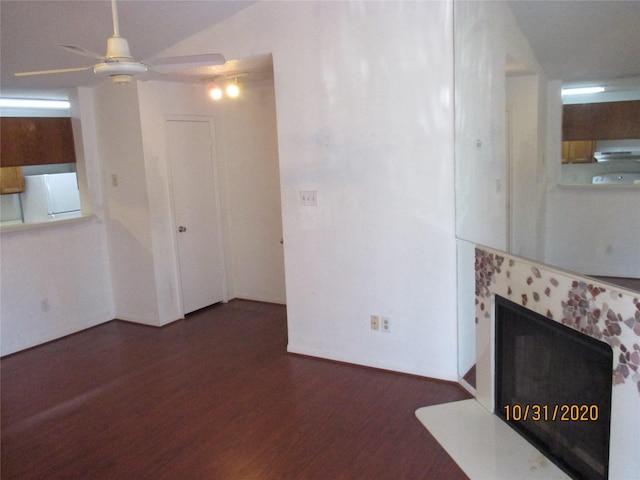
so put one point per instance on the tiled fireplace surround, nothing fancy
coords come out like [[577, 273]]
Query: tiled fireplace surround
[[602, 311]]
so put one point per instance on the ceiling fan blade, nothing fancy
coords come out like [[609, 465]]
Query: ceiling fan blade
[[81, 51], [169, 76], [59, 70], [201, 59]]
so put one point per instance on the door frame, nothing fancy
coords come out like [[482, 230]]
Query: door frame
[[509, 173], [217, 199]]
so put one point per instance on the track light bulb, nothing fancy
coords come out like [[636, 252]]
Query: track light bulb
[[232, 90], [215, 92]]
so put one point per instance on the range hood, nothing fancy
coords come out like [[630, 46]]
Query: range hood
[[608, 155]]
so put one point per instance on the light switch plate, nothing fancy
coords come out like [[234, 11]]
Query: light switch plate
[[308, 198]]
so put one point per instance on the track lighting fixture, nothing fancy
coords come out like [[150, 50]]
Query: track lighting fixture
[[231, 90]]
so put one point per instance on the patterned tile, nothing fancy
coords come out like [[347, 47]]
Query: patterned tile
[[598, 310]]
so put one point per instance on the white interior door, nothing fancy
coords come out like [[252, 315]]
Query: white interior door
[[196, 213]]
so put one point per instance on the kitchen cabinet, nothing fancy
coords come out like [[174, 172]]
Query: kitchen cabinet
[[36, 141], [601, 121], [579, 151], [11, 180]]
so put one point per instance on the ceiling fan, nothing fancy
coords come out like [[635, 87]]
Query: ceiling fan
[[119, 65]]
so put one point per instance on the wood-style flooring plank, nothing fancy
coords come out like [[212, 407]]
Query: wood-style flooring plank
[[214, 396]]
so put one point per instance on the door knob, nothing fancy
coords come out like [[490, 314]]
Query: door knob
[[182, 229]]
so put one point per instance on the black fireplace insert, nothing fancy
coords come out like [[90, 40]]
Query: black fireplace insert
[[553, 386]]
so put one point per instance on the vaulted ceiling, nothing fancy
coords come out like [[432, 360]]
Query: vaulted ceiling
[[574, 40], [580, 41]]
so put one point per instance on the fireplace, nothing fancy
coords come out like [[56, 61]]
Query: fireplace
[[553, 386], [594, 309]]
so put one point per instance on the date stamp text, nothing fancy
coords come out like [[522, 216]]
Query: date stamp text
[[544, 413]]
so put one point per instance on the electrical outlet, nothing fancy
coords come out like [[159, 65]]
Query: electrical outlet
[[375, 322], [385, 324]]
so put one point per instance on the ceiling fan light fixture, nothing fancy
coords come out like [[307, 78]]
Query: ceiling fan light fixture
[[121, 79], [112, 69]]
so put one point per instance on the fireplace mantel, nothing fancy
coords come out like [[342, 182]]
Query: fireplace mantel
[[602, 311]]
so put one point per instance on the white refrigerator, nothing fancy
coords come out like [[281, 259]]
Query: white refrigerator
[[50, 197]]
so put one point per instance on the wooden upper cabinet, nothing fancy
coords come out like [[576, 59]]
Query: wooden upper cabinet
[[601, 121], [11, 180], [578, 151], [36, 141]]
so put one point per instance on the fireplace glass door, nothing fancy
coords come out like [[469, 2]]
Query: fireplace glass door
[[553, 386]]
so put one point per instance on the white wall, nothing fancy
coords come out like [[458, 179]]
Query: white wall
[[247, 182], [590, 230], [486, 35], [594, 232], [481, 174], [364, 109], [365, 118], [527, 165], [141, 228], [88, 277], [158, 100], [466, 308], [526, 94], [248, 139], [127, 204], [63, 263]]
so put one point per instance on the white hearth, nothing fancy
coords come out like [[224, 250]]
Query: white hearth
[[484, 446]]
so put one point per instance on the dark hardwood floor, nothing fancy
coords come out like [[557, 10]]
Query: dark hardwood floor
[[214, 396]]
